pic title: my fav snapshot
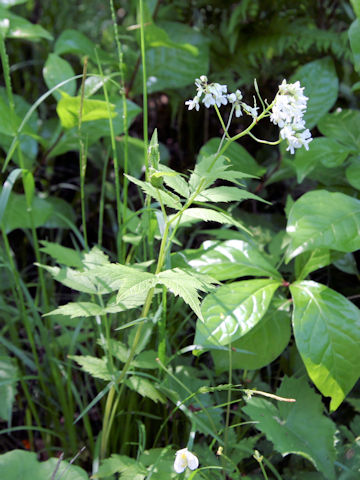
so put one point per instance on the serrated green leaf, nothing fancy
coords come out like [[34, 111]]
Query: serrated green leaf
[[226, 260], [95, 258], [145, 388], [193, 215], [123, 465], [172, 201], [226, 194], [321, 87], [327, 333], [176, 182], [96, 367], [298, 427], [68, 109], [186, 285], [322, 219], [63, 255], [261, 345], [233, 310]]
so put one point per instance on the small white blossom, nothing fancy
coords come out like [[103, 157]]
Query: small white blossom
[[250, 110], [208, 100], [184, 459], [235, 99], [194, 103]]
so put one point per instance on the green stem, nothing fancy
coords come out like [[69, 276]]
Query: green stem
[[144, 80], [83, 157]]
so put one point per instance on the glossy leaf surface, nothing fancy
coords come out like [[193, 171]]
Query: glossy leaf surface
[[343, 125], [227, 260], [322, 219], [297, 427], [327, 333], [55, 71], [233, 310]]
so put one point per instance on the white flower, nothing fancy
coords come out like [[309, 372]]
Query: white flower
[[184, 459], [250, 110], [208, 100], [194, 103]]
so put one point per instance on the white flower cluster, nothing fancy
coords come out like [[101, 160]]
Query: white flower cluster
[[287, 112], [214, 93], [184, 459]]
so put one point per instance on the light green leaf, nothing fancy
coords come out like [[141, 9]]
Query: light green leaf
[[186, 285], [322, 219], [145, 388], [79, 281], [68, 109], [23, 29], [158, 37], [298, 427], [121, 464], [63, 255], [343, 126], [171, 200], [226, 260], [9, 378], [261, 345], [321, 87], [239, 159], [25, 465], [354, 37], [11, 3], [73, 41], [96, 367], [233, 310], [162, 63], [352, 172], [176, 182], [226, 194], [326, 151], [55, 71], [327, 333], [193, 215], [310, 261]]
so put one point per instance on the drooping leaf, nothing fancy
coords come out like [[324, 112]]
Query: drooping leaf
[[322, 219], [321, 87], [145, 388], [55, 71], [193, 215], [68, 109], [176, 182], [226, 194], [233, 310], [21, 28], [76, 280], [298, 427], [226, 260], [261, 345], [25, 465], [327, 333]]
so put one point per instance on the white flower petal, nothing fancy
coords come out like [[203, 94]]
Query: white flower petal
[[193, 461]]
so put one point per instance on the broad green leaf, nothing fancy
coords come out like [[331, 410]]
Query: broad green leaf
[[63, 255], [96, 367], [158, 37], [73, 41], [177, 183], [145, 359], [93, 131], [261, 345], [233, 310], [78, 281], [321, 87], [322, 219], [343, 126], [298, 427], [193, 215], [354, 37], [145, 388], [55, 71], [310, 261], [18, 464], [8, 379], [226, 194], [346, 263], [21, 28], [186, 285], [45, 213], [162, 63], [326, 151], [226, 260], [356, 6], [352, 172], [327, 334], [240, 159], [68, 109], [170, 200], [11, 3]]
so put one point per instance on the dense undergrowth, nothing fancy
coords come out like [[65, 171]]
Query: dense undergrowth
[[180, 278]]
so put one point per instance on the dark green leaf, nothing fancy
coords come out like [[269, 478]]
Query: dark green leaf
[[55, 71], [73, 41], [322, 219], [298, 427], [9, 379], [343, 126], [354, 37], [233, 310], [327, 333], [23, 29], [353, 172]]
